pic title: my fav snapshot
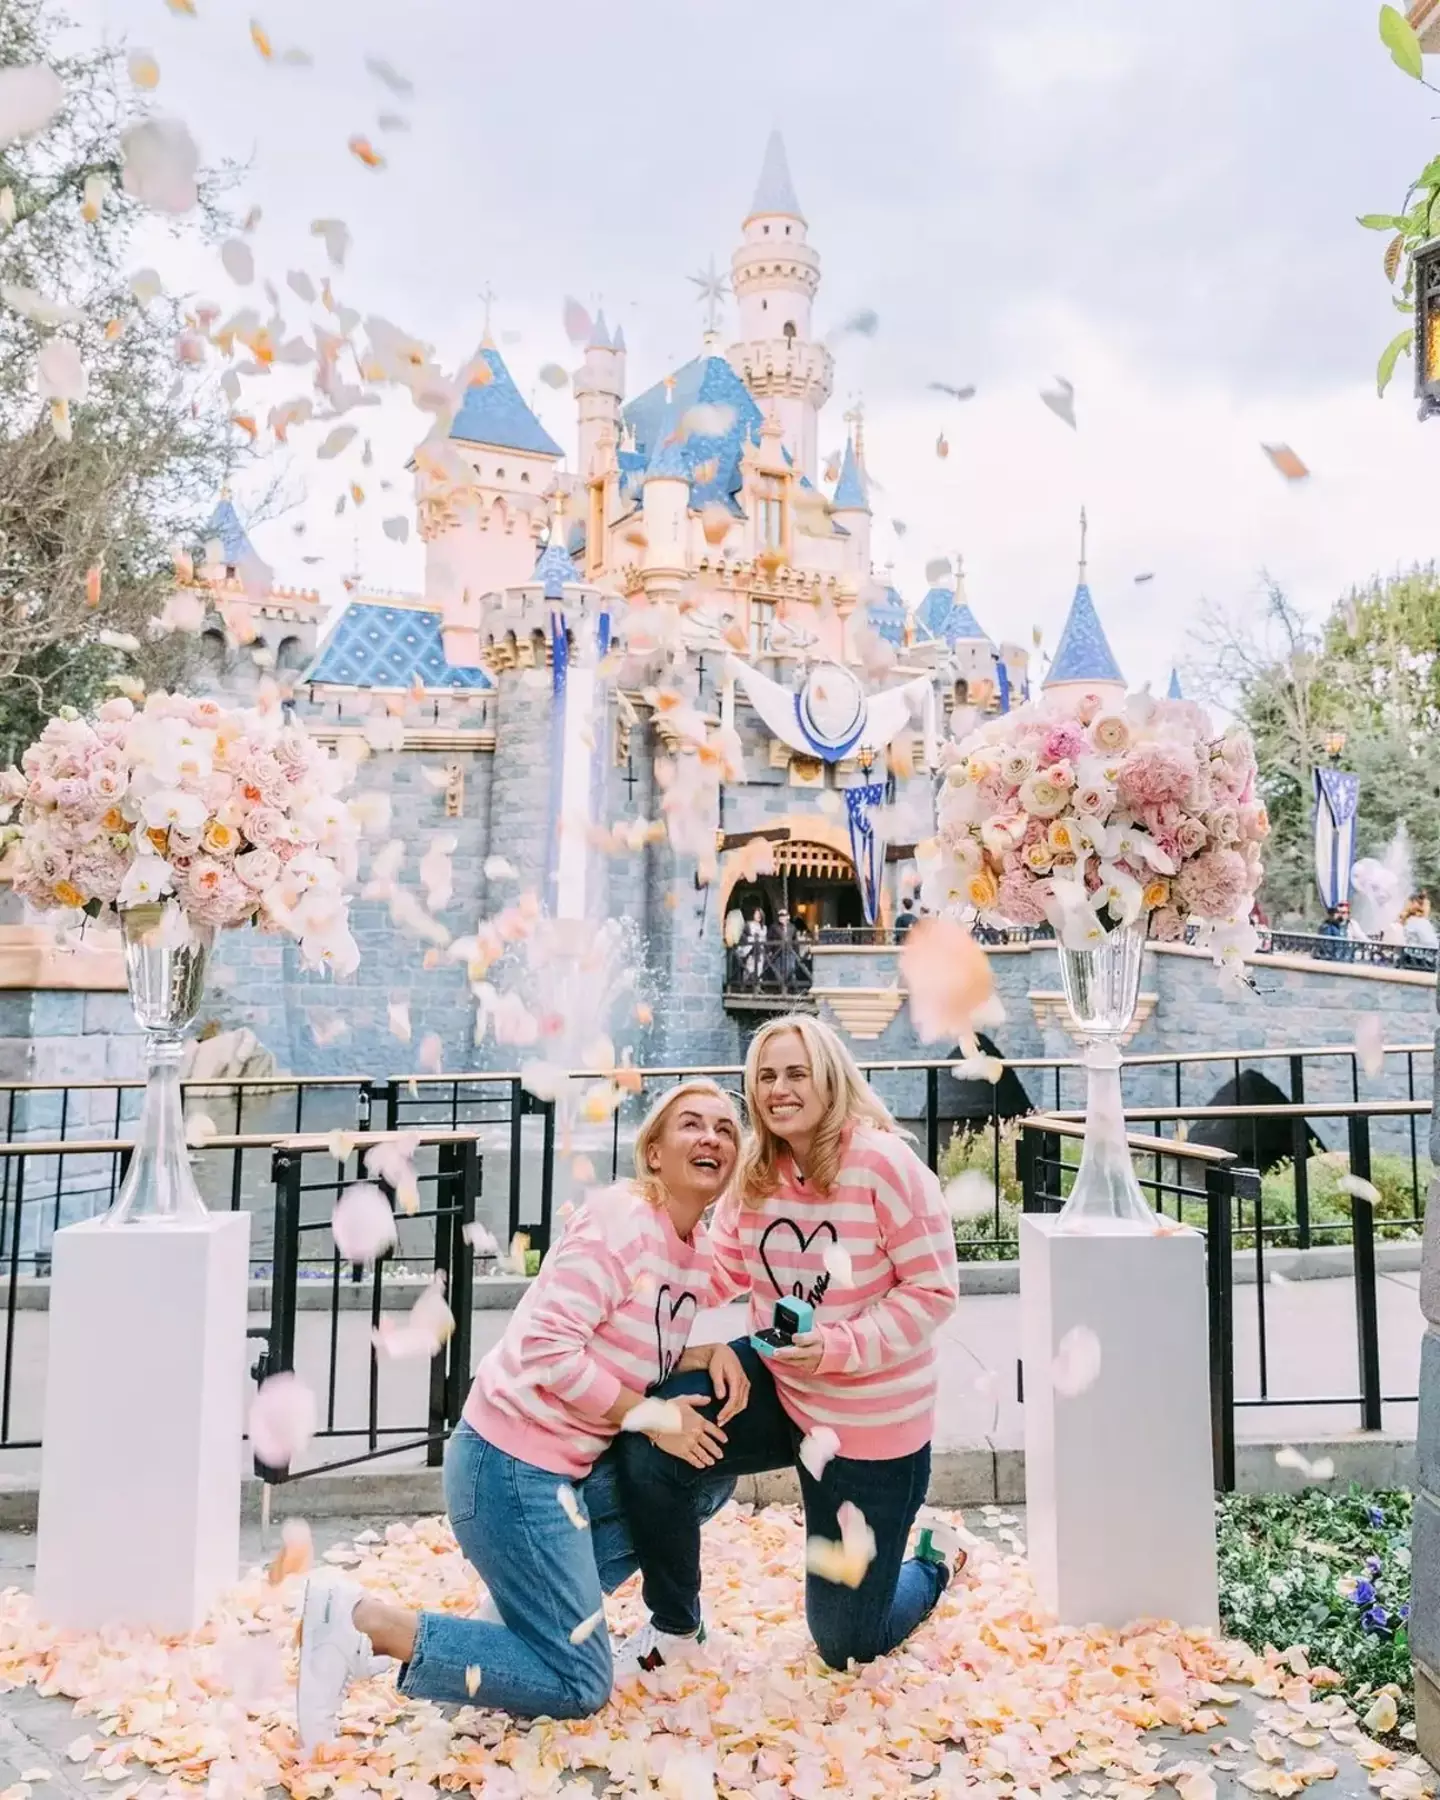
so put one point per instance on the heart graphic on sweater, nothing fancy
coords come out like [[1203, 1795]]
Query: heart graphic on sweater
[[665, 1358], [797, 1289]]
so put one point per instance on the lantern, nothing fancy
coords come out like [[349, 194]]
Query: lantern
[[1427, 327]]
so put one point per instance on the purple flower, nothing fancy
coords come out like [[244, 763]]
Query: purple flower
[[1362, 1593], [1376, 1619], [1405, 1611], [1372, 1563], [1375, 1515]]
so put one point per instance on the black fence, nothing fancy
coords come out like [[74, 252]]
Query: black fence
[[485, 1146]]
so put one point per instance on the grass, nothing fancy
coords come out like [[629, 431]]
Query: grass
[[1329, 1572], [992, 1236]]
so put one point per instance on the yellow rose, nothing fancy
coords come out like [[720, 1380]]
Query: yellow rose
[[220, 840], [68, 894], [1156, 894], [114, 820], [1060, 837], [982, 889], [159, 836]]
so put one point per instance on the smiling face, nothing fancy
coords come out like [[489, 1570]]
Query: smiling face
[[789, 1101], [695, 1150]]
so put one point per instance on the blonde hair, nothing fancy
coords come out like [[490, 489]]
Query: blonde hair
[[654, 1123], [849, 1100]]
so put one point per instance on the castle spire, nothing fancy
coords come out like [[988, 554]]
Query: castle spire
[[775, 191]]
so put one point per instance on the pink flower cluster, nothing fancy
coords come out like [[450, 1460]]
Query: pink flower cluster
[[1113, 811], [235, 816]]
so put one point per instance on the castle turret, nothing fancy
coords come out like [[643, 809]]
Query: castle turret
[[665, 505], [775, 274], [1084, 662], [599, 392], [850, 508], [482, 534]]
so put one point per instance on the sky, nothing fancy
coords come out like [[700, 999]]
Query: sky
[[1155, 202]]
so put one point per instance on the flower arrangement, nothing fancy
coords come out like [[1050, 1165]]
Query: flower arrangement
[[234, 815], [1094, 816]]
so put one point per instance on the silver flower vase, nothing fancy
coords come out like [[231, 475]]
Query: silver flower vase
[[166, 956], [1102, 987]]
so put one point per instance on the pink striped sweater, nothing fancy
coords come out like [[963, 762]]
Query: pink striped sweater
[[875, 1387], [610, 1309]]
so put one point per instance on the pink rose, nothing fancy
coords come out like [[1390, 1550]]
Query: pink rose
[[1166, 924], [1110, 733], [99, 871], [258, 869], [1190, 836], [265, 827], [1155, 773], [1224, 824], [1062, 773], [72, 792], [1019, 901], [116, 710], [1213, 883], [1065, 742]]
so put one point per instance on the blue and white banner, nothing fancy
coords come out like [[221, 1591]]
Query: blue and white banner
[[867, 847], [1337, 799]]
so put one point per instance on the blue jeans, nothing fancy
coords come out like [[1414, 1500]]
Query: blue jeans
[[545, 1577], [665, 1500]]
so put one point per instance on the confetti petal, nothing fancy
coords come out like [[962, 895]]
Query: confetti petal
[[570, 1506], [388, 74], [283, 1417], [1286, 461], [143, 69], [662, 1418], [363, 1224], [1370, 1043], [587, 1627], [1076, 1365], [30, 97], [817, 1448], [160, 163], [1360, 1188]]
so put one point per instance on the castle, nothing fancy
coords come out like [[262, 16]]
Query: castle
[[503, 704]]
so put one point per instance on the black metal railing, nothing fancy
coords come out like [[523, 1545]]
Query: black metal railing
[[1229, 1208], [770, 968]]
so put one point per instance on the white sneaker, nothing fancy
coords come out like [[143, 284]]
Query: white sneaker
[[332, 1655], [942, 1543], [649, 1649]]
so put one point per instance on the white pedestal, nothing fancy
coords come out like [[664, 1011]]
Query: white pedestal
[[144, 1415], [1119, 1479]]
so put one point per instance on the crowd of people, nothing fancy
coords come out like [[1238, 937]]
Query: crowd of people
[[597, 1439], [1414, 928]]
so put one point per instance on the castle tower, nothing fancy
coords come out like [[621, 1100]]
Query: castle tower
[[666, 509], [774, 273], [850, 508], [599, 392], [482, 531], [276, 628], [1083, 662]]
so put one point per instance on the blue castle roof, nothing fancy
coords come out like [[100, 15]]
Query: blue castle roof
[[1173, 692], [708, 381], [775, 191], [667, 452], [235, 545], [374, 644], [886, 617], [850, 494], [494, 413], [1084, 653], [554, 567], [946, 617]]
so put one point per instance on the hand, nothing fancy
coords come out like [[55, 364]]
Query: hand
[[730, 1382], [700, 1442], [804, 1354]]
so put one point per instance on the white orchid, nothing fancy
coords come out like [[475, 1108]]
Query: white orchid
[[1119, 891], [172, 806], [147, 879]]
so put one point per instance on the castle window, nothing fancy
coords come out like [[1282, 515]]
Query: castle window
[[762, 617], [788, 331], [787, 231], [499, 474], [766, 230], [772, 512], [524, 478]]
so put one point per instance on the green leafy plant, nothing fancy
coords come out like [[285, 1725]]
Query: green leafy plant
[[1418, 220], [1329, 1572]]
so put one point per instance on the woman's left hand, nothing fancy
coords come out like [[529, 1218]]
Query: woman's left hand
[[730, 1382], [804, 1354]]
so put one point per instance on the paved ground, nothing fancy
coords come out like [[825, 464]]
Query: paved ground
[[1309, 1341], [35, 1731]]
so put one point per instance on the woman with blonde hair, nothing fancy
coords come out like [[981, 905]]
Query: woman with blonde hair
[[531, 1496], [837, 1221]]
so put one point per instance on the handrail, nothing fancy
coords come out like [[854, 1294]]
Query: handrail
[[1287, 1109], [242, 1140], [1057, 1125], [1146, 1058]]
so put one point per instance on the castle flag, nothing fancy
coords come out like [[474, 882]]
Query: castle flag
[[1337, 799]]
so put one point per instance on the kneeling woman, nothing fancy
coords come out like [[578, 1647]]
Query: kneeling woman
[[605, 1321], [833, 1209]]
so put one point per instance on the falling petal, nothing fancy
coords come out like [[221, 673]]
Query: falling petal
[[389, 121], [586, 1627], [817, 1449], [970, 1195], [61, 373], [661, 1417], [500, 868], [579, 327], [570, 1506], [160, 161], [398, 1015], [397, 528], [472, 1679], [301, 285], [431, 1054], [1286, 461], [36, 306], [93, 577], [864, 323], [143, 69], [239, 261], [296, 1554], [553, 375], [949, 979], [1288, 1457], [260, 38], [283, 1417], [364, 151], [955, 393], [390, 75], [363, 1224], [118, 640], [336, 236], [936, 570], [838, 1265], [844, 1563], [1370, 1043], [1076, 1364], [30, 97], [199, 1129], [1361, 1189], [1061, 400], [335, 442], [942, 446]]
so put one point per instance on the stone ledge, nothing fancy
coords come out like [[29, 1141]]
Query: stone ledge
[[30, 958], [967, 1475]]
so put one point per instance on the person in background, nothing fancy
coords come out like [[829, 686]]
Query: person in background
[[905, 918], [1419, 926], [1335, 926], [755, 946], [526, 1469]]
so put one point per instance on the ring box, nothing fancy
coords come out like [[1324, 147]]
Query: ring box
[[792, 1318]]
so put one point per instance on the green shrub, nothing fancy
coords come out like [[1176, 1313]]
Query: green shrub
[[993, 1235], [1330, 1205], [1329, 1572]]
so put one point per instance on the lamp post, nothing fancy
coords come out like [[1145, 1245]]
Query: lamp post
[[1426, 266], [1335, 745]]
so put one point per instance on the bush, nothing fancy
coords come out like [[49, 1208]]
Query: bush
[[993, 1235], [1395, 1210], [1328, 1572]]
